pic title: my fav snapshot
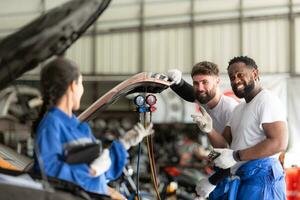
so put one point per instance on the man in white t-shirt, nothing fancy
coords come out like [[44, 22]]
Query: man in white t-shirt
[[257, 133], [206, 92]]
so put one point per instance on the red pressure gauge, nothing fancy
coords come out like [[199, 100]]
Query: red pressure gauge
[[151, 100]]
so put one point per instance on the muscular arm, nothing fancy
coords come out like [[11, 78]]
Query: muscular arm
[[227, 135], [275, 142], [184, 90], [220, 141]]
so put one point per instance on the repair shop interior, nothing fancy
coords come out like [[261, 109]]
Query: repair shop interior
[[150, 99]]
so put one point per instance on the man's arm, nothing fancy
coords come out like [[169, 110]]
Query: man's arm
[[275, 142], [220, 140], [227, 135], [184, 90], [205, 124]]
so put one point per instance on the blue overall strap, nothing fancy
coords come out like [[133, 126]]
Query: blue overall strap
[[261, 179], [226, 189], [233, 188], [221, 190]]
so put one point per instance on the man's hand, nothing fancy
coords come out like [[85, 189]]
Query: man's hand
[[100, 164], [204, 188], [203, 121], [226, 158], [136, 135], [175, 76]]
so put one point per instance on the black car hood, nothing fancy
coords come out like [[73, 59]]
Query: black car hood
[[50, 34]]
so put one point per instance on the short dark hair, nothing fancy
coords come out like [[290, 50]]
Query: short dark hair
[[205, 68], [244, 59]]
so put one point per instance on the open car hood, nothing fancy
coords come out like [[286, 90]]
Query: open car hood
[[144, 82], [50, 34]]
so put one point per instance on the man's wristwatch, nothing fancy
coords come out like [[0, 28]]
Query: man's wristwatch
[[236, 156]]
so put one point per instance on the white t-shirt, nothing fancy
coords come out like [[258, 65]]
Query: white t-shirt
[[247, 119], [221, 113]]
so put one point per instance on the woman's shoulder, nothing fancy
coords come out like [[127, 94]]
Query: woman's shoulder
[[50, 120]]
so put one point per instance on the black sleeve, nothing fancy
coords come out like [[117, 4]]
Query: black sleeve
[[219, 176], [184, 90]]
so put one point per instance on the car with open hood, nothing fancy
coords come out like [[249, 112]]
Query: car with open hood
[[50, 35]]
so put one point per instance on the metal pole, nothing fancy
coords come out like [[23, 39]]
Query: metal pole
[[94, 49], [292, 61], [141, 38], [93, 60], [43, 6], [241, 23], [193, 46]]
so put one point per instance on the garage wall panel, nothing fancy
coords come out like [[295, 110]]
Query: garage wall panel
[[19, 7], [13, 16], [297, 45], [167, 12], [167, 8], [216, 43], [205, 6], [81, 53], [259, 3], [49, 4], [120, 14], [117, 53], [166, 49], [11, 23], [267, 42]]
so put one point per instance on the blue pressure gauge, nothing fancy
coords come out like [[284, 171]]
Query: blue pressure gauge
[[139, 100]]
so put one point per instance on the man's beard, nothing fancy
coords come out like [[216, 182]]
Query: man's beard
[[205, 97], [247, 89]]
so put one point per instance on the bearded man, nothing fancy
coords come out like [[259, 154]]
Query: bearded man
[[256, 133]]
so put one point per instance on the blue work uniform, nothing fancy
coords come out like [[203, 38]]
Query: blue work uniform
[[256, 179], [55, 131], [221, 190]]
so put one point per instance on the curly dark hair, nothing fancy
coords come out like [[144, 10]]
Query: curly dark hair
[[55, 79], [205, 68], [244, 59]]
